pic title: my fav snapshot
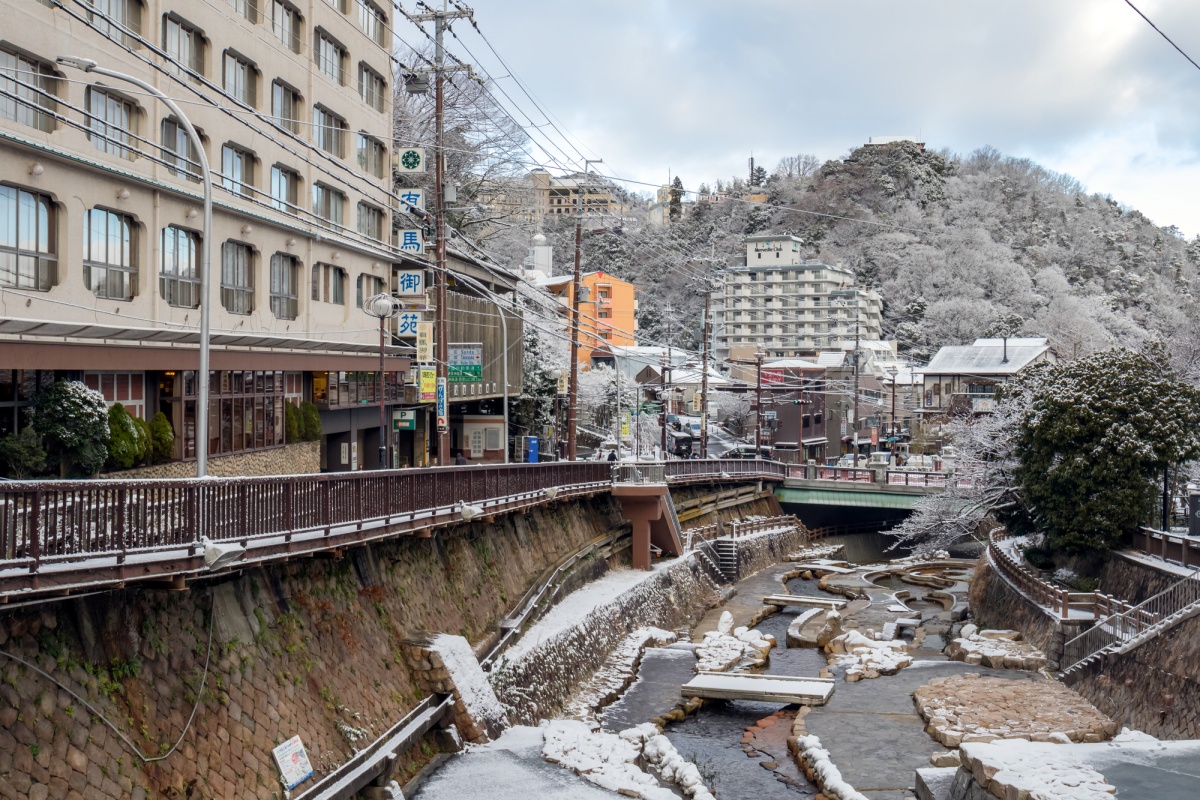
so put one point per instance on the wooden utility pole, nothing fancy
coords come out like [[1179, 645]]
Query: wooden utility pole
[[704, 373], [441, 344], [758, 360], [576, 291]]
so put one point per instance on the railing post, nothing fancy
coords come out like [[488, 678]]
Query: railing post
[[122, 499], [289, 509], [35, 536], [327, 504]]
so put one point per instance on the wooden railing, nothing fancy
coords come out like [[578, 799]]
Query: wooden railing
[[748, 527], [1175, 548], [825, 531], [1060, 602]]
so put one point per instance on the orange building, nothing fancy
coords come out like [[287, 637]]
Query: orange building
[[607, 310]]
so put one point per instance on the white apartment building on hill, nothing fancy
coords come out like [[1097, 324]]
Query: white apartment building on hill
[[789, 306]]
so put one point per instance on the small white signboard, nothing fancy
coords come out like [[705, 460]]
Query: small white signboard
[[407, 322], [294, 766], [411, 199], [410, 283], [410, 159]]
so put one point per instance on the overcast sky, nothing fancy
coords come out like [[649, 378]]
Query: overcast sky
[[692, 87]]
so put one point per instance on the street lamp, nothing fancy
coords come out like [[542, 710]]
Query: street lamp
[[893, 372], [383, 307], [88, 65]]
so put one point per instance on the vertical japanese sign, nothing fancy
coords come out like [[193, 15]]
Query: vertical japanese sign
[[410, 241], [443, 419], [410, 283], [411, 199], [424, 342], [428, 377]]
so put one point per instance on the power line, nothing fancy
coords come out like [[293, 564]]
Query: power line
[[1160, 33]]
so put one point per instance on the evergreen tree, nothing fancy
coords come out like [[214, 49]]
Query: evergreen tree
[[675, 204], [22, 454], [73, 423], [1094, 446], [125, 444], [162, 437]]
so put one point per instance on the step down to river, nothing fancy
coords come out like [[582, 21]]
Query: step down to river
[[802, 600], [759, 688], [817, 566]]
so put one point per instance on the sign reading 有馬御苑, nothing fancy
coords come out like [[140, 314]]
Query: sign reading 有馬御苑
[[294, 766], [409, 159], [428, 384], [410, 283], [466, 363], [424, 342]]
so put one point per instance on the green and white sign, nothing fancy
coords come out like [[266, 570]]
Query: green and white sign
[[466, 363], [409, 159]]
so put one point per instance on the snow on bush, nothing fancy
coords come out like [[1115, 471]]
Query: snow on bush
[[824, 771], [868, 658], [609, 760], [723, 648], [1065, 575]]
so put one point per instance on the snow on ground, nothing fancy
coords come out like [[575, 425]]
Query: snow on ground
[[571, 610], [617, 672], [868, 658], [470, 680], [1039, 771], [724, 648], [609, 760], [828, 776]]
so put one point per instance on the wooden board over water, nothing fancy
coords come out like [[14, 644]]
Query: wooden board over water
[[802, 600], [759, 688]]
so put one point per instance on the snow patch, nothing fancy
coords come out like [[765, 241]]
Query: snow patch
[[470, 681], [824, 771], [1035, 770], [724, 648], [868, 658]]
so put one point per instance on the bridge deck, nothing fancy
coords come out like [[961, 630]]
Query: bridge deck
[[802, 600], [759, 688]]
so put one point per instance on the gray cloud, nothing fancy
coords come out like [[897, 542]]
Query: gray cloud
[[693, 86]]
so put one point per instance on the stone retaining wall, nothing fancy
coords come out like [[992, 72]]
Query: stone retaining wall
[[300, 458], [314, 647]]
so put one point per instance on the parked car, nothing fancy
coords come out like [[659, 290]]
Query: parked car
[[747, 451], [851, 460]]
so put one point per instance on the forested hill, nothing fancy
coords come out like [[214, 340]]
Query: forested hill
[[959, 247]]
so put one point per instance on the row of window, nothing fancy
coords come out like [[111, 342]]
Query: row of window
[[28, 260]]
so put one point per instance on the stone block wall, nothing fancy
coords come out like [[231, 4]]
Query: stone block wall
[[299, 458], [313, 647], [760, 552]]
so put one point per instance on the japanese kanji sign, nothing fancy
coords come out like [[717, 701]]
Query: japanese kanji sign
[[428, 378], [407, 322], [410, 159], [410, 282], [411, 198], [411, 241], [424, 342], [294, 766]]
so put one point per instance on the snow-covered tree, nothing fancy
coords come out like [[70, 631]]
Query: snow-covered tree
[[73, 423]]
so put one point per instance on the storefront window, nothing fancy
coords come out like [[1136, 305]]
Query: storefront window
[[245, 409]]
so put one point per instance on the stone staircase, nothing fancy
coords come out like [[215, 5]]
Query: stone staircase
[[1123, 632]]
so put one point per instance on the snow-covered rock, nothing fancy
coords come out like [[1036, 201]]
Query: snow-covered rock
[[823, 770], [723, 648], [1038, 771], [996, 649], [470, 681], [868, 658]]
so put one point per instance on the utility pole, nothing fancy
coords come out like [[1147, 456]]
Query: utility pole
[[576, 290], [758, 359], [441, 345], [854, 412], [662, 411], [704, 374]]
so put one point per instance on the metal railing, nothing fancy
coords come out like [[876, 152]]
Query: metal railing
[[742, 528], [810, 472], [902, 478], [717, 468], [1143, 621], [651, 472]]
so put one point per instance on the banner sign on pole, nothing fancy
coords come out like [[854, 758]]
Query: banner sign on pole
[[424, 342], [564, 382], [443, 419], [466, 363], [428, 384], [294, 766], [772, 377]]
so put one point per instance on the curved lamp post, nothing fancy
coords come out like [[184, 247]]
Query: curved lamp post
[[88, 65], [383, 308]]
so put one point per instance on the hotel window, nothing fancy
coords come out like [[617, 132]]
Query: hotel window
[[371, 87], [240, 78], [284, 188], [27, 240], [329, 131], [371, 155], [285, 106], [179, 278], [329, 282], [27, 88], [328, 203], [367, 287], [237, 278], [247, 8], [126, 388], [285, 23], [370, 222], [117, 19], [183, 45], [245, 410], [112, 122], [373, 22], [330, 57], [285, 275], [237, 170], [109, 261], [178, 151]]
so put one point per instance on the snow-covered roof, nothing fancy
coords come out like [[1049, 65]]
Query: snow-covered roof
[[831, 358], [791, 363], [1026, 342], [986, 359], [689, 375]]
